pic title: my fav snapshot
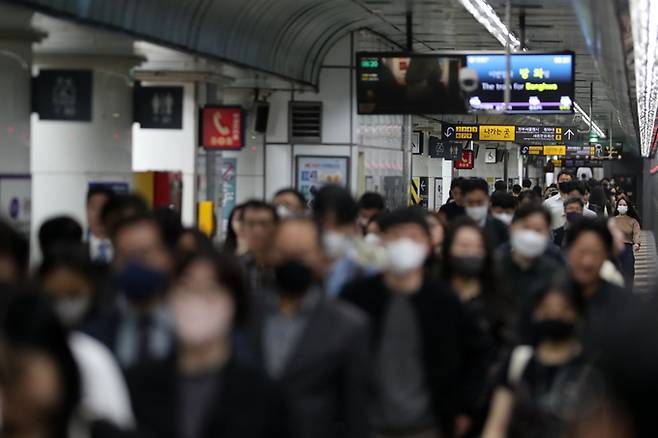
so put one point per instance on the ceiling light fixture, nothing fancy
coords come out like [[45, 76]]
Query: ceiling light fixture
[[593, 126], [644, 21], [487, 17]]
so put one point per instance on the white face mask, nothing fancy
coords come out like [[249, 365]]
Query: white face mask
[[336, 245], [622, 209], [198, 320], [405, 255], [372, 239], [505, 218], [71, 311], [283, 212], [477, 213], [528, 243]]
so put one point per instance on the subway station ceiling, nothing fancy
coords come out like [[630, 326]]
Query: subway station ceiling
[[290, 38]]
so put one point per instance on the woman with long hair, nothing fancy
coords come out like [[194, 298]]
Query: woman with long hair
[[235, 242], [627, 220]]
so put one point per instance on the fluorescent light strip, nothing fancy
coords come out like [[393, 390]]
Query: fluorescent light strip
[[486, 16], [644, 21], [589, 121]]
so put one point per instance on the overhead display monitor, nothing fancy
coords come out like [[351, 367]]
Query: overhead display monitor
[[461, 83]]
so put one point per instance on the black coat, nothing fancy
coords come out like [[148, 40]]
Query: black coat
[[496, 232], [454, 352], [325, 379], [248, 405]]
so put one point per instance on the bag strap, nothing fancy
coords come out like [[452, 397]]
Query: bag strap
[[521, 355]]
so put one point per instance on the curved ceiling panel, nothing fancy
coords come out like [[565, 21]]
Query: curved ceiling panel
[[287, 38]]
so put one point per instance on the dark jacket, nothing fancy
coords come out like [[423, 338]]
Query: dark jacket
[[247, 404], [496, 232], [454, 349], [325, 379]]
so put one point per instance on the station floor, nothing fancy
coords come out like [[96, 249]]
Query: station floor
[[646, 264]]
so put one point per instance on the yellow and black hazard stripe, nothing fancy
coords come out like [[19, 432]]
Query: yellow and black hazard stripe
[[414, 191]]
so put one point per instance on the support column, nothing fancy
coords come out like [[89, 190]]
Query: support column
[[67, 155]]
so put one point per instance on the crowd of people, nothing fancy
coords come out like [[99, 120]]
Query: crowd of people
[[504, 314]]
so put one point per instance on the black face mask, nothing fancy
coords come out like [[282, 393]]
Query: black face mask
[[467, 266], [293, 278], [554, 330], [564, 187]]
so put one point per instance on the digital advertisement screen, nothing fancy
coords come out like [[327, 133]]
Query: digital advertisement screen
[[397, 83]]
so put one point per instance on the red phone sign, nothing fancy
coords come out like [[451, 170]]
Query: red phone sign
[[222, 128]]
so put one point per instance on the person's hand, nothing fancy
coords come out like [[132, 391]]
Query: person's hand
[[636, 247], [463, 424]]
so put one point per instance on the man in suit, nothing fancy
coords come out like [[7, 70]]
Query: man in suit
[[315, 347], [476, 200], [429, 356]]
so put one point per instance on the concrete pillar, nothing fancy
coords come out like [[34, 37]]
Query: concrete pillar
[[66, 156]]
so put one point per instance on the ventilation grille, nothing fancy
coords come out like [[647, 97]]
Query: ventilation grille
[[306, 122]]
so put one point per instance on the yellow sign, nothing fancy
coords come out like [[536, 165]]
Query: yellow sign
[[555, 150], [465, 132], [557, 163], [497, 133], [535, 150], [206, 221]]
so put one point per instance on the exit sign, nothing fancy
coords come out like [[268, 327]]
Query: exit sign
[[370, 63]]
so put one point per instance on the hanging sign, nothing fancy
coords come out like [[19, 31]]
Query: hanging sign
[[159, 107], [496, 133], [64, 95], [466, 161], [222, 128], [555, 150]]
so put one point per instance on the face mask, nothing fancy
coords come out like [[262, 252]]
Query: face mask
[[336, 245], [477, 213], [564, 187], [293, 278], [405, 255], [140, 283], [468, 266], [554, 330], [283, 212], [198, 320], [528, 243], [372, 239], [622, 209], [505, 218], [573, 216], [71, 311]]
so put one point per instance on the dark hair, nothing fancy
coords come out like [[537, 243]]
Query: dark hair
[[526, 183], [498, 304], [531, 195], [14, 246], [565, 172], [29, 323], [130, 221], [403, 216], [516, 189], [457, 182], [201, 241], [574, 200], [59, 230], [255, 204], [474, 184], [100, 189], [538, 191], [503, 200], [371, 200], [170, 224], [578, 186], [231, 240], [499, 186], [631, 210], [71, 257], [598, 202], [598, 226], [122, 206], [228, 272], [335, 202], [527, 210], [560, 286], [296, 193]]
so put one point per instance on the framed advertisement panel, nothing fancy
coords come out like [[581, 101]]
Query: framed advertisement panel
[[313, 172]]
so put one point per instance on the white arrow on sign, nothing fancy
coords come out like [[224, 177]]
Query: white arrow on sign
[[569, 134], [422, 185], [450, 131]]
